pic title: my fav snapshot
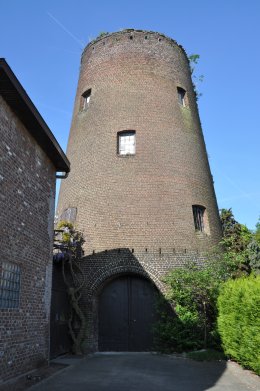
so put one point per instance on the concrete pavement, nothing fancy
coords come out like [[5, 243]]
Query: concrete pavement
[[147, 372]]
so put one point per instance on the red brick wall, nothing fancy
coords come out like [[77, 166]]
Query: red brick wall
[[27, 190], [141, 201]]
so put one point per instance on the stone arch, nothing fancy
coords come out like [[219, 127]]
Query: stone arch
[[114, 270]]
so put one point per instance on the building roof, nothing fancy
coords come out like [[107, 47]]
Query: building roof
[[17, 98]]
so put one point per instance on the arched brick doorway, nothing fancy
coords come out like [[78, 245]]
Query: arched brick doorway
[[127, 312]]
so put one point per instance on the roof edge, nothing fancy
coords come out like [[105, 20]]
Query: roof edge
[[17, 98]]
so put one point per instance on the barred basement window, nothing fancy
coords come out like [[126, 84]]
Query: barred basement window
[[85, 99], [126, 142], [181, 96], [9, 285], [199, 217]]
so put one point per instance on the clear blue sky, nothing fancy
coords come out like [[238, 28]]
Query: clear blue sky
[[42, 42]]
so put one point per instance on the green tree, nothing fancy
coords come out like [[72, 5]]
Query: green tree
[[253, 255], [257, 231], [236, 236]]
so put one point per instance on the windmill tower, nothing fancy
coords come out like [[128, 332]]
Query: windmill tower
[[140, 187]]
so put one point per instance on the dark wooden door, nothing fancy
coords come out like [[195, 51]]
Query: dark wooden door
[[126, 315], [60, 342]]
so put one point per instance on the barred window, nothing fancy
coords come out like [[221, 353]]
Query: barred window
[[198, 215], [126, 142], [9, 285]]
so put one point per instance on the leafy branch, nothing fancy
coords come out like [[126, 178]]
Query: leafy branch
[[196, 80]]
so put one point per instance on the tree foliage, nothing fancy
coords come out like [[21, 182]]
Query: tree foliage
[[257, 232], [192, 292], [193, 289], [236, 236], [240, 244]]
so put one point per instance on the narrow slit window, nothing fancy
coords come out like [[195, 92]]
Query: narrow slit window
[[85, 100], [126, 143], [199, 217], [181, 96]]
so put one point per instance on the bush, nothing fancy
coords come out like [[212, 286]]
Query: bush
[[239, 320], [192, 293]]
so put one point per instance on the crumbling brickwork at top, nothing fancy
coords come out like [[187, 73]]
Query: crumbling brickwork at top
[[143, 200]]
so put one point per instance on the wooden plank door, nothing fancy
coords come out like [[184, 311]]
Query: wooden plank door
[[126, 315]]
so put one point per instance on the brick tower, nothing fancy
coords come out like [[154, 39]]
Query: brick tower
[[140, 187]]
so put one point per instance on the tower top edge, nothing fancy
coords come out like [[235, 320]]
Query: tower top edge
[[132, 32]]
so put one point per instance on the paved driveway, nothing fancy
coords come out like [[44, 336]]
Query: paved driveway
[[148, 372]]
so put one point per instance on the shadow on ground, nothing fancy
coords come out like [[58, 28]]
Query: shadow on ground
[[143, 371]]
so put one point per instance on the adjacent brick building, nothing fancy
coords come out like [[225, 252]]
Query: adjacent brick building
[[29, 159], [140, 188]]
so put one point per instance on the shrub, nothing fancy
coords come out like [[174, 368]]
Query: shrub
[[239, 320], [192, 293]]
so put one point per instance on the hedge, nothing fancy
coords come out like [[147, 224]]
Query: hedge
[[239, 320]]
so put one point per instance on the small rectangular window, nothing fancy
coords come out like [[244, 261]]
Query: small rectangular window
[[126, 143], [198, 215], [69, 215], [181, 96], [9, 285], [85, 100]]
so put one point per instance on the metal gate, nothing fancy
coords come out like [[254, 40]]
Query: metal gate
[[126, 315]]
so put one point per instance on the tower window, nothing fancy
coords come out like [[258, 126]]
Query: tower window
[[126, 142], [69, 214], [199, 217], [181, 96], [85, 99]]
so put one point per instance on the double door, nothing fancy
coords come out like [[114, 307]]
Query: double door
[[126, 315]]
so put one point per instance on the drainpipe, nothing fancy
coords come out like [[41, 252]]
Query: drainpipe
[[62, 176]]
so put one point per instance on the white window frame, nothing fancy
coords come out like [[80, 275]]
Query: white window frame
[[126, 143]]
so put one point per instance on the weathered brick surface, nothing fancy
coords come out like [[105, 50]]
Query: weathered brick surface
[[27, 185], [143, 201], [100, 268]]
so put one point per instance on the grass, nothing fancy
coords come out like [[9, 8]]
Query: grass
[[207, 355]]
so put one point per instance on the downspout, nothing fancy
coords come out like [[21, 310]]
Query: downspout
[[62, 176]]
